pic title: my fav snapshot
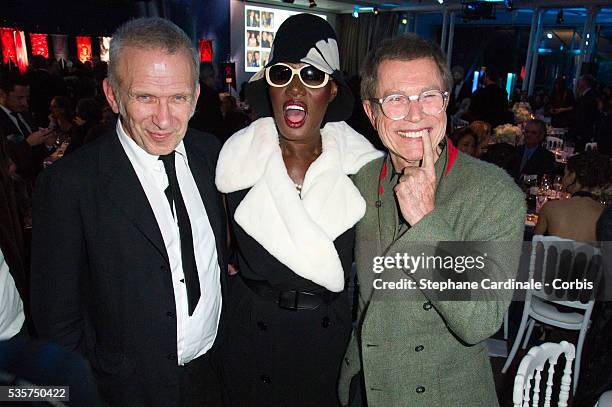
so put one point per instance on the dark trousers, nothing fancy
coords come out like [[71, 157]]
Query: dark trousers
[[199, 382]]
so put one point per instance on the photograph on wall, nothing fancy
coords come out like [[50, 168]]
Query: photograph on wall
[[253, 39], [261, 24], [253, 18], [267, 20], [267, 38]]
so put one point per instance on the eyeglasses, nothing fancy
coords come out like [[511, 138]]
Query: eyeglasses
[[396, 106], [279, 75]]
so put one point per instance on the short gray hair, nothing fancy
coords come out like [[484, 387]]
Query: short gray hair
[[149, 33], [406, 47]]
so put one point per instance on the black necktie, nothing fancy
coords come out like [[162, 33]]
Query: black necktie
[[21, 125], [173, 193]]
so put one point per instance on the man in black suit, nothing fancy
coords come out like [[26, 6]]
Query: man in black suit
[[535, 159], [490, 104], [25, 144], [585, 111], [129, 233]]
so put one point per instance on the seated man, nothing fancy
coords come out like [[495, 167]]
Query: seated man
[[535, 159], [576, 218]]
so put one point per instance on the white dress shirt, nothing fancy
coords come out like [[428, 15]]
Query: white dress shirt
[[195, 333], [11, 306]]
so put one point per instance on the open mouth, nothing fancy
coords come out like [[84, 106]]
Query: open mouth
[[295, 113], [413, 134]]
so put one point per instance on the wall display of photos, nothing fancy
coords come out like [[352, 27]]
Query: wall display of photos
[[260, 25]]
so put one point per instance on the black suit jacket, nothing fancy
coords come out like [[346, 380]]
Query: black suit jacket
[[27, 158], [541, 162], [585, 116], [490, 104], [101, 281]]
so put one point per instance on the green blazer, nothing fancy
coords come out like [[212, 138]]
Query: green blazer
[[415, 349]]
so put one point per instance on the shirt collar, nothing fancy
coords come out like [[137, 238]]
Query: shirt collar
[[141, 157]]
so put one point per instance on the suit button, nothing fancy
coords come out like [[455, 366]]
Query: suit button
[[419, 348], [378, 204], [420, 389], [262, 326], [325, 322], [427, 306], [171, 356], [162, 268], [265, 378], [170, 314]]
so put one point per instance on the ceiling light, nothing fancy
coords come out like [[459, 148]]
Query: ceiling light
[[375, 11], [356, 12], [441, 1], [404, 20], [549, 35]]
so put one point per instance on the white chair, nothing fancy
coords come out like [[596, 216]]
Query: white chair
[[554, 143], [531, 368], [553, 257], [590, 147]]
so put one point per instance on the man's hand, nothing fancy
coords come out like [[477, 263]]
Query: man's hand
[[39, 136], [416, 189]]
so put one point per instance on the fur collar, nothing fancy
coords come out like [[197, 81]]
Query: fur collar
[[300, 233]]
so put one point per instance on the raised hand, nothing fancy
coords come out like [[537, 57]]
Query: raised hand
[[416, 189]]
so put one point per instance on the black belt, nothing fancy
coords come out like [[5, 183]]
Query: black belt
[[291, 299]]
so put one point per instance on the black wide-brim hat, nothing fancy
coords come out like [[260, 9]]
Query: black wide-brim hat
[[309, 39]]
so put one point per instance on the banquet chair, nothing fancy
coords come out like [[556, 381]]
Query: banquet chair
[[554, 143], [590, 147], [552, 258], [531, 368]]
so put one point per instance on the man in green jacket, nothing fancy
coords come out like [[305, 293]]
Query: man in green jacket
[[413, 346]]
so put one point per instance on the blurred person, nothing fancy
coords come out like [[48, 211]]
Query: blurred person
[[234, 119], [88, 114], [583, 174], [129, 234], [535, 158], [207, 117], [483, 132], [465, 140], [25, 144], [603, 135], [43, 86], [13, 286], [585, 111], [292, 208], [490, 103], [461, 89], [561, 104]]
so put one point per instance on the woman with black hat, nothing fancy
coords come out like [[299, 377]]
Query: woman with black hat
[[293, 209]]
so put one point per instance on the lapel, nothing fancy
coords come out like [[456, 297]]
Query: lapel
[[387, 211], [9, 126], [204, 179], [122, 186]]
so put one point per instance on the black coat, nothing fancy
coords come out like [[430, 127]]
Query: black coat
[[101, 281], [585, 116], [27, 158], [541, 162], [490, 104]]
